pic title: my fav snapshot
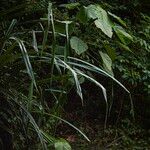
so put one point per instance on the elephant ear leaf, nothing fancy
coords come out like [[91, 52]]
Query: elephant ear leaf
[[107, 63], [78, 45], [101, 18]]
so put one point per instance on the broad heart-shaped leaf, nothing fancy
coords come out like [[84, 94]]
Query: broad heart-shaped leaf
[[78, 45], [124, 37], [62, 145], [102, 20], [107, 63]]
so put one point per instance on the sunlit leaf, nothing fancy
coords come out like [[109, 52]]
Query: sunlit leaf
[[102, 20]]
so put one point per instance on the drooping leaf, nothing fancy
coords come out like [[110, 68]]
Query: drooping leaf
[[78, 45], [62, 145], [118, 19], [26, 59], [88, 66], [124, 47], [99, 85], [71, 79], [102, 20], [107, 63], [78, 87], [124, 37]]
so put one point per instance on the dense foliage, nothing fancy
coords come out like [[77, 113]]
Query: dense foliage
[[74, 64]]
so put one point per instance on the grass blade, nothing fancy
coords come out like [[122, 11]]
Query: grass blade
[[26, 59], [103, 90], [88, 66], [35, 46], [67, 123], [77, 83]]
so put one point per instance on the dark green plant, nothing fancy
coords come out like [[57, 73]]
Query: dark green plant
[[44, 63]]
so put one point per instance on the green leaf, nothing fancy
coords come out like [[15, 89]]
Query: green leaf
[[107, 63], [32, 121], [82, 15], [90, 67], [62, 145], [59, 50], [11, 27], [102, 20], [124, 37], [110, 51], [70, 6], [71, 78], [34, 42], [50, 139], [79, 90], [60, 27], [118, 19], [124, 47], [100, 86], [78, 45], [26, 59]]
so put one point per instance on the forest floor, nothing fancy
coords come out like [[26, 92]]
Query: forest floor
[[122, 136]]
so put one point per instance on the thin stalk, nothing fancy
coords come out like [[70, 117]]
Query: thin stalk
[[67, 43], [111, 99], [46, 32], [53, 42], [30, 96], [132, 107], [29, 105]]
